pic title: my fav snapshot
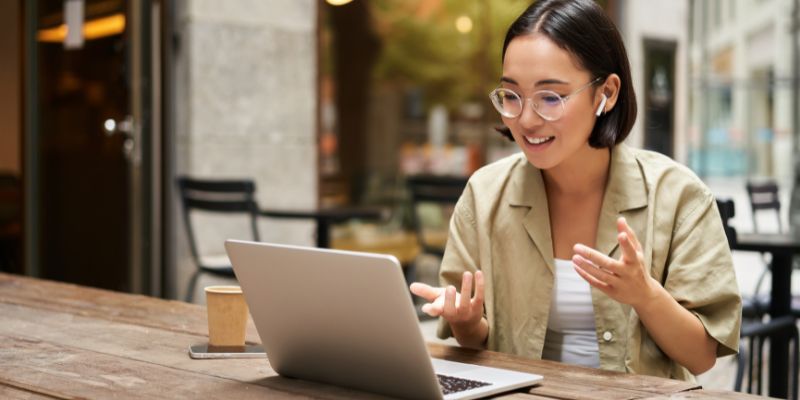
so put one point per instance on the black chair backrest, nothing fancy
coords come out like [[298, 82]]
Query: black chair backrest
[[218, 196], [764, 196], [440, 190], [727, 210], [758, 333]]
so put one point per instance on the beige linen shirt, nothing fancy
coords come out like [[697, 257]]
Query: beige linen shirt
[[501, 226]]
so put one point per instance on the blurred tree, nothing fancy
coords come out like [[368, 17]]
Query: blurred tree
[[449, 48]]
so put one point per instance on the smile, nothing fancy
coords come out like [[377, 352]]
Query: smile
[[539, 140]]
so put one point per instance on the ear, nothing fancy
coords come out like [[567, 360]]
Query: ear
[[608, 94]]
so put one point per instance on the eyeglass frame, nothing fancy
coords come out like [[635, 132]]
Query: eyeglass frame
[[524, 100]]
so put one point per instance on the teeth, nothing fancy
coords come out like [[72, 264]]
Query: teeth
[[538, 140]]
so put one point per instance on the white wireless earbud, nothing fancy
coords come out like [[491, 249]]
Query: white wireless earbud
[[602, 106]]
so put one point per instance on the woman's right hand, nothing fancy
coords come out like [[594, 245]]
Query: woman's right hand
[[463, 311]]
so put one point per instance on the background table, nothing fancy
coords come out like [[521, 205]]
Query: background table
[[326, 217], [61, 341], [401, 244]]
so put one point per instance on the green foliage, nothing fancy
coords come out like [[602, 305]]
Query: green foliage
[[421, 46]]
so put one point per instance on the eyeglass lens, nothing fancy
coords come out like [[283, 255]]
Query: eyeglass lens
[[546, 103]]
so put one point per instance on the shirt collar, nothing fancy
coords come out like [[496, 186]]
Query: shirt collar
[[626, 190]]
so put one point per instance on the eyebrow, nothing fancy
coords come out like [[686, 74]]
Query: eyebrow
[[539, 83]]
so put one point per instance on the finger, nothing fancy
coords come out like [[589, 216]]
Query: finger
[[425, 291], [593, 270], [435, 308], [449, 302], [591, 279], [622, 226], [597, 258], [479, 288], [432, 309], [628, 249], [466, 291], [439, 302]]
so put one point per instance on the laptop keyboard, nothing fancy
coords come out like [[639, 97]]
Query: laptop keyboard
[[451, 384]]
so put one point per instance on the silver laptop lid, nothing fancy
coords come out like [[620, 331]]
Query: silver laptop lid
[[338, 317]]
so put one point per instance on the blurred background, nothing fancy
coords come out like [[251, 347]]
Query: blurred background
[[332, 110]]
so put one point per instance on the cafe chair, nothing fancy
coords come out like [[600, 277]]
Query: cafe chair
[[763, 196], [433, 199], [751, 308], [222, 197], [753, 359]]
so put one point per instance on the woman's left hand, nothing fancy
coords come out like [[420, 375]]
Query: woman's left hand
[[626, 280]]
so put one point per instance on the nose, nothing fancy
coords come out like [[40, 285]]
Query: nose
[[529, 118]]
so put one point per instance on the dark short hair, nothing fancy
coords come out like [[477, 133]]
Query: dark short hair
[[582, 28]]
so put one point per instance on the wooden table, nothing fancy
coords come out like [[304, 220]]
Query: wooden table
[[61, 341]]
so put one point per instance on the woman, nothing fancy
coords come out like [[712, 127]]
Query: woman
[[581, 249]]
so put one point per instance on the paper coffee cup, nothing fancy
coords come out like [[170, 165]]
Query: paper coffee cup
[[227, 316]]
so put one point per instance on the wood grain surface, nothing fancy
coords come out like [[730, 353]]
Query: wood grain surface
[[63, 341]]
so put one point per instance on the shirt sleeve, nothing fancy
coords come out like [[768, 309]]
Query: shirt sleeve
[[700, 273], [460, 253]]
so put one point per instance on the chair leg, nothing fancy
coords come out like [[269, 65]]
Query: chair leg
[[192, 284], [740, 359], [750, 357], [795, 361], [760, 364]]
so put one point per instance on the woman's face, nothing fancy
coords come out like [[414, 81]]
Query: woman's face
[[533, 63]]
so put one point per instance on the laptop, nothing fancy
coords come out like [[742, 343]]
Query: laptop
[[347, 319]]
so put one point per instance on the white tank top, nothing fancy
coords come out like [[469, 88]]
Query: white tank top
[[571, 336]]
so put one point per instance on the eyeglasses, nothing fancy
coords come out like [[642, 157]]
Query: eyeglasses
[[547, 103]]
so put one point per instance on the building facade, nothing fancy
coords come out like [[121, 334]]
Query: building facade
[[743, 81]]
